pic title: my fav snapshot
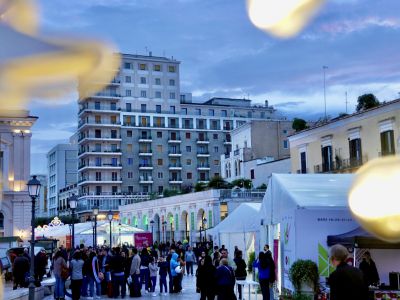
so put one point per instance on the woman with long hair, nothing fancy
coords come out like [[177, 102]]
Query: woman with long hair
[[240, 272], [205, 275], [59, 264], [264, 273], [76, 275]]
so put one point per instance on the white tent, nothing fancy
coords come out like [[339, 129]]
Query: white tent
[[298, 212], [238, 229]]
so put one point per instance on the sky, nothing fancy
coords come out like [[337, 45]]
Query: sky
[[222, 54]]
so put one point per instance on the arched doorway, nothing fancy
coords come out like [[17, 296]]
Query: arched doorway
[[170, 227], [185, 226], [201, 223]]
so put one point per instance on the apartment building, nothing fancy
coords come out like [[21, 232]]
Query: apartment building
[[345, 143], [63, 196], [141, 135], [62, 170], [41, 202]]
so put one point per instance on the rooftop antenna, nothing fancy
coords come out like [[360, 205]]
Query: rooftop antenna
[[325, 68], [346, 102]]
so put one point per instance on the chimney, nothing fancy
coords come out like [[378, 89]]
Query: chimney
[[266, 103]]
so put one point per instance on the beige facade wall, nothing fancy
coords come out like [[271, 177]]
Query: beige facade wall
[[368, 125]]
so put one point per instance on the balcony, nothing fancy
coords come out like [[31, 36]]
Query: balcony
[[203, 167], [105, 180], [98, 124], [205, 181], [105, 96], [176, 153], [146, 180], [203, 154], [227, 128], [227, 142], [341, 165], [147, 124], [175, 180], [203, 141], [99, 152], [99, 109], [145, 139], [175, 167], [174, 141], [89, 138], [145, 152], [104, 166], [145, 167]]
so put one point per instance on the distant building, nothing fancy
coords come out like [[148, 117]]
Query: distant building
[[15, 153], [63, 195], [253, 144], [345, 143], [62, 166]]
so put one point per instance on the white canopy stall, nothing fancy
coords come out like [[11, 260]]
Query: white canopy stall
[[238, 229]]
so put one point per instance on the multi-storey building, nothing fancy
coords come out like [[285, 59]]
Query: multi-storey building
[[345, 143], [63, 195], [142, 135], [62, 166], [41, 202]]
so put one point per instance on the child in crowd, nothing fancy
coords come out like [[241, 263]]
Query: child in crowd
[[153, 275], [163, 265]]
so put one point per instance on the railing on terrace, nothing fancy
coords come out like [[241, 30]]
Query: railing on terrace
[[340, 165], [246, 194], [109, 202]]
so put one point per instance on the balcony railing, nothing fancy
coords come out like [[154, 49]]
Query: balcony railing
[[203, 166], [145, 165], [175, 166], [177, 152], [340, 165], [111, 165], [106, 201]]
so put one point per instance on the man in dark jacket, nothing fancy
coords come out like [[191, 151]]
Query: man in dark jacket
[[346, 282], [20, 270], [117, 266], [40, 265]]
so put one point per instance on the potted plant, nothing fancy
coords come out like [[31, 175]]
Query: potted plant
[[304, 276]]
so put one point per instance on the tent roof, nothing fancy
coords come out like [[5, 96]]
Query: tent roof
[[307, 191], [244, 218], [359, 238]]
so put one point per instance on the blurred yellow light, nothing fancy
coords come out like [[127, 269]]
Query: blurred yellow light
[[374, 198], [22, 15], [283, 18]]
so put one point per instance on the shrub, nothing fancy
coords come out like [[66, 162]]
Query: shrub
[[304, 271], [252, 258]]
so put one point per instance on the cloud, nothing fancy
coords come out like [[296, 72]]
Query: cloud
[[351, 26], [290, 104]]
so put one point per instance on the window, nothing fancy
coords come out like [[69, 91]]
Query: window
[[97, 147], [130, 161], [97, 119], [113, 134], [158, 109], [252, 176], [130, 189], [98, 190], [184, 111], [216, 149], [143, 94], [157, 94], [98, 161], [211, 112], [157, 68], [262, 115], [160, 189], [216, 162], [172, 82], [172, 109], [130, 175], [160, 162], [159, 134], [127, 65], [189, 175], [129, 147], [387, 143], [128, 79], [128, 106], [129, 133], [187, 135], [97, 105], [215, 136], [171, 69], [97, 133], [198, 111], [142, 80], [160, 175], [98, 176], [114, 176], [188, 148], [158, 81], [183, 98], [355, 152], [143, 107], [128, 93], [285, 144], [142, 67], [188, 162], [223, 113], [159, 148], [249, 114], [172, 95], [114, 189], [327, 163], [284, 131]]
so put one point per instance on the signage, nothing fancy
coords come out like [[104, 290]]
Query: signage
[[68, 243], [143, 239]]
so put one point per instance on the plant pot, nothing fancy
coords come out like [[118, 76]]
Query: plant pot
[[307, 288]]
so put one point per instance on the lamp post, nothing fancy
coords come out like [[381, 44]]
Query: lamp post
[[73, 201], [204, 221], [119, 233], [165, 230], [34, 190], [172, 233], [110, 218], [93, 234], [95, 213], [152, 229]]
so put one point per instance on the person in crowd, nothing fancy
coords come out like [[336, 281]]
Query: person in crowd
[[163, 267], [264, 271], [104, 259], [346, 282], [368, 267], [201, 257], [174, 274], [135, 274], [205, 274], [225, 280], [144, 270], [40, 265], [20, 271], [240, 272], [224, 254], [266, 248], [169, 257], [216, 257], [117, 268], [190, 258], [153, 268], [64, 252], [86, 270], [182, 264], [235, 251], [272, 273], [26, 255], [76, 266], [59, 264], [94, 276], [222, 248]]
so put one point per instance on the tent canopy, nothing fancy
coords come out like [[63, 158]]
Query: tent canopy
[[359, 238], [304, 191]]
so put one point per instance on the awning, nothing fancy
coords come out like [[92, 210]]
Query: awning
[[10, 239]]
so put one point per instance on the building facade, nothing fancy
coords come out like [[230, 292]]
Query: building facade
[[63, 196], [180, 217], [346, 143], [41, 202], [15, 203], [141, 135], [257, 141], [62, 166]]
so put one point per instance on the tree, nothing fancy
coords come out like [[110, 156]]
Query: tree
[[366, 101], [217, 182], [242, 183], [262, 187], [299, 124], [170, 193], [199, 187]]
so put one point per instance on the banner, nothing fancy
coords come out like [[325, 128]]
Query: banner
[[143, 239], [68, 243]]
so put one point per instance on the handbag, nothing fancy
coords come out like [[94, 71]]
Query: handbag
[[100, 275], [64, 273]]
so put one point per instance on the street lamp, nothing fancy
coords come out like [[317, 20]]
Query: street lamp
[[73, 201], [165, 230], [152, 231], [93, 234], [95, 213], [110, 218], [33, 190], [119, 232], [172, 233], [204, 221]]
